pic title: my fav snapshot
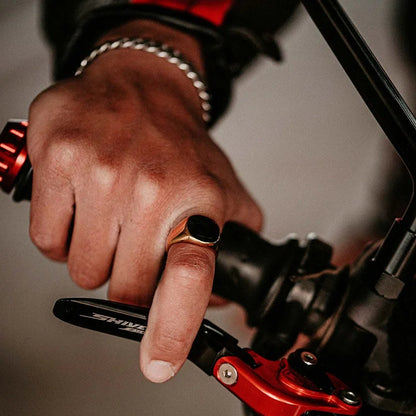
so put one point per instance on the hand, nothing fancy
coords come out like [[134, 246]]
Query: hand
[[120, 156]]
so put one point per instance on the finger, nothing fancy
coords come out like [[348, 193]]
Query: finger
[[137, 263], [51, 213], [177, 311], [94, 239]]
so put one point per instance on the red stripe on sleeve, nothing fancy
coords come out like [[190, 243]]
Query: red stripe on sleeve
[[212, 10]]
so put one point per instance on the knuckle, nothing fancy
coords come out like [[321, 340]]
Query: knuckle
[[149, 190], [105, 177], [60, 157], [153, 175], [172, 343]]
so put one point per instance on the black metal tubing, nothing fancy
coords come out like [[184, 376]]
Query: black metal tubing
[[371, 81], [385, 103]]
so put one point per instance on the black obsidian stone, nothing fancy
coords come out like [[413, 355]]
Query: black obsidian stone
[[203, 228]]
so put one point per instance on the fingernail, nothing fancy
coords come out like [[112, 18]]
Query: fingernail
[[158, 371]]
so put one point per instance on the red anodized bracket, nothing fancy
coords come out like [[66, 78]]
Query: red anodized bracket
[[13, 152], [274, 388]]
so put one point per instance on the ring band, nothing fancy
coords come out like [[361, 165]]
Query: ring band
[[198, 230]]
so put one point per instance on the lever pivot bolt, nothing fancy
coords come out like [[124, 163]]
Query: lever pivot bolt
[[308, 358], [349, 397], [228, 374]]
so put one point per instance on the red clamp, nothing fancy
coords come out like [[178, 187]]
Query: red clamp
[[13, 153], [277, 388]]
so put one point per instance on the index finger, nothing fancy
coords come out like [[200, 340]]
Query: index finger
[[178, 308]]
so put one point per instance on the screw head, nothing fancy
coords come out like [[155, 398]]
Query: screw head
[[349, 397], [228, 374], [308, 358], [381, 384]]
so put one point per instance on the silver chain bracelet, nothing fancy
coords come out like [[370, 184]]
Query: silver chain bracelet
[[162, 51]]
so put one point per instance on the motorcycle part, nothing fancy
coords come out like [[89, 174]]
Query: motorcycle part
[[293, 386], [15, 169]]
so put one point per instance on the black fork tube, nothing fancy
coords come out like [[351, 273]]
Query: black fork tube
[[390, 111]]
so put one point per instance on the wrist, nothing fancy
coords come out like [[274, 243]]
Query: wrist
[[186, 44], [150, 60]]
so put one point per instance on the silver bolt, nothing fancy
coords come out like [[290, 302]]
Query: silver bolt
[[381, 384], [308, 358], [349, 397], [228, 374]]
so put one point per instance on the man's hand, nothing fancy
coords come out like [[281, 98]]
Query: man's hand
[[120, 156]]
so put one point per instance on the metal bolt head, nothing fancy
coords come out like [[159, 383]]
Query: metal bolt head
[[308, 358], [349, 397], [228, 374], [381, 384]]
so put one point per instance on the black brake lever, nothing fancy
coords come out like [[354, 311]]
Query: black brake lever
[[130, 322]]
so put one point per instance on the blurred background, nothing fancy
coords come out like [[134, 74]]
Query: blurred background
[[299, 137]]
